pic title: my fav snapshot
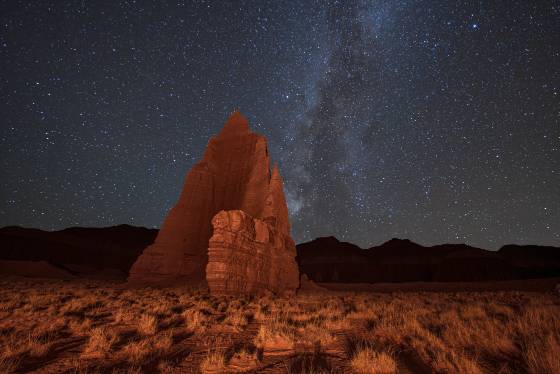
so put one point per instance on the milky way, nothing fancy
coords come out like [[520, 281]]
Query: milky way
[[434, 121]]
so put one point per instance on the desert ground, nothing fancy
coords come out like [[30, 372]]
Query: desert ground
[[55, 326]]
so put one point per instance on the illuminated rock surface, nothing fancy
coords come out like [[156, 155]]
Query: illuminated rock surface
[[234, 175]]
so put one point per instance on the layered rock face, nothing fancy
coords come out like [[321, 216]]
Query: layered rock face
[[249, 255], [234, 174]]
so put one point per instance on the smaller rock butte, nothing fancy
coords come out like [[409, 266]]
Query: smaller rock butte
[[249, 255], [230, 226]]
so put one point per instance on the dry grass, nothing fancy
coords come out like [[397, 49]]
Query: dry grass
[[100, 342], [244, 358], [138, 352], [196, 320], [148, 324], [96, 327], [239, 319], [276, 334], [542, 354], [164, 342], [367, 361], [214, 361]]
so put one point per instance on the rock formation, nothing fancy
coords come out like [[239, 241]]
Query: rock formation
[[234, 177], [249, 255]]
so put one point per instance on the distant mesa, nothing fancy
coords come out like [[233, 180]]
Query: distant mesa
[[230, 225], [109, 252], [328, 260], [103, 252]]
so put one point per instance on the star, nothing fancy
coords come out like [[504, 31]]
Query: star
[[385, 117]]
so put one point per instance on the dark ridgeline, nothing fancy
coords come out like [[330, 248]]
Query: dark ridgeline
[[78, 250], [329, 260], [87, 252]]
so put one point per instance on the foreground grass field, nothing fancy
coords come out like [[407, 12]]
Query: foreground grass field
[[56, 326]]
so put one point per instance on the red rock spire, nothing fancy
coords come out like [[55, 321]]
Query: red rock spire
[[251, 249], [236, 123]]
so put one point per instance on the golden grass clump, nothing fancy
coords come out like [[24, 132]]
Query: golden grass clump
[[244, 358], [214, 361], [99, 343], [163, 342], [138, 352], [195, 319], [148, 324], [368, 361], [124, 315], [276, 334]]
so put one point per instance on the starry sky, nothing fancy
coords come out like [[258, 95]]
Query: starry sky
[[437, 121]]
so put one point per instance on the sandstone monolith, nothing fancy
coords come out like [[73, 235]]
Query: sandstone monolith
[[233, 177]]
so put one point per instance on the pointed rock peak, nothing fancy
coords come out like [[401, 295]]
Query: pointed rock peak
[[329, 239], [236, 123]]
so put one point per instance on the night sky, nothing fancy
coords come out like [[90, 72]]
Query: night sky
[[437, 121]]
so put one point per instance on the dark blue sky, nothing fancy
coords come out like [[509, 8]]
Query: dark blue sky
[[429, 120]]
